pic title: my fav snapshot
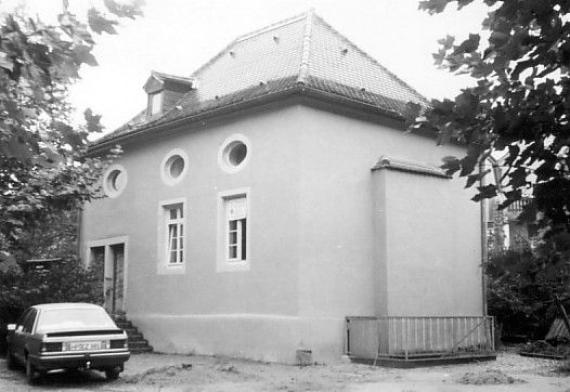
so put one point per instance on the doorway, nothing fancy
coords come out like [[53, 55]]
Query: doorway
[[109, 257], [114, 292]]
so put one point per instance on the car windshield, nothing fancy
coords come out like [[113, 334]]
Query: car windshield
[[53, 320]]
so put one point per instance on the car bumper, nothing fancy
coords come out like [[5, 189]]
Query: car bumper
[[83, 360]]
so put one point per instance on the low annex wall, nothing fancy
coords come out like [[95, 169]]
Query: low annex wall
[[272, 338]]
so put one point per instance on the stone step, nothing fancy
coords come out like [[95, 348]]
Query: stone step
[[124, 325], [139, 350], [136, 340], [138, 343], [135, 335]]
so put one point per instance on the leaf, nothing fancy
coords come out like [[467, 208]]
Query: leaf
[[433, 6], [485, 192], [125, 10], [93, 121], [99, 24], [473, 178], [469, 45], [450, 165], [82, 54], [6, 62], [16, 148]]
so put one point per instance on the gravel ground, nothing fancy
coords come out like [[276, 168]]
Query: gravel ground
[[156, 372]]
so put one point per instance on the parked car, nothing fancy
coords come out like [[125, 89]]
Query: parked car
[[66, 336]]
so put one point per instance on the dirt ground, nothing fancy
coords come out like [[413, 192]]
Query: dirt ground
[[156, 372]]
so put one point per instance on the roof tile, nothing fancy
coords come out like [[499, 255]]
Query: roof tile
[[300, 52]]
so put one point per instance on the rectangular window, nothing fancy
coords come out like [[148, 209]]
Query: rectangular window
[[174, 234], [155, 103], [236, 228]]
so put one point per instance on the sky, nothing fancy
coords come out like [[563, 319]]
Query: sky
[[178, 36]]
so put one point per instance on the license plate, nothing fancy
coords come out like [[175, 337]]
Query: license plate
[[84, 346]]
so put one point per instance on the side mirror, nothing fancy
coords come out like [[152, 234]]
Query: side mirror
[[11, 327]]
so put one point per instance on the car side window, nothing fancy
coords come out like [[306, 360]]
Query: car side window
[[28, 323], [20, 322]]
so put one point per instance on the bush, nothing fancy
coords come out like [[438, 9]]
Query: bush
[[522, 286], [67, 281]]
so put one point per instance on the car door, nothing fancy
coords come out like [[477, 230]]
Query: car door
[[17, 339], [23, 334]]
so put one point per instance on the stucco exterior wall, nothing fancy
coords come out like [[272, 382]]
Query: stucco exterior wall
[[433, 247], [341, 270], [313, 242]]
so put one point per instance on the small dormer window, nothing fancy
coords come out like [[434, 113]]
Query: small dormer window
[[155, 103], [164, 91]]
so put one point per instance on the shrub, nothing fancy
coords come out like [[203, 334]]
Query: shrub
[[67, 281]]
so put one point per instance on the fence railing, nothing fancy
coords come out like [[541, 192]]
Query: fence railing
[[417, 337]]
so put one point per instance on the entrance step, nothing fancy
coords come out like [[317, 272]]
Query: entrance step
[[136, 340]]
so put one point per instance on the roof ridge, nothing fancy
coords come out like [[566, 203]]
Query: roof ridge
[[243, 37], [281, 23], [214, 58], [306, 51], [171, 76], [369, 57]]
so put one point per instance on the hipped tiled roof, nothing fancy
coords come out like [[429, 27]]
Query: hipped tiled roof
[[298, 55]]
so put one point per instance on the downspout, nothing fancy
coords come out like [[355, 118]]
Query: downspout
[[484, 216], [484, 241], [79, 214]]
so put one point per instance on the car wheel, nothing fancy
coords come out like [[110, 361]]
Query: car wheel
[[32, 375], [112, 373], [10, 360]]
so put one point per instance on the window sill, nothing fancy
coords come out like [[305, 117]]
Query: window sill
[[230, 266], [171, 269]]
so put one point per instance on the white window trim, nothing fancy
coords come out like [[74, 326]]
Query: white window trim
[[155, 103], [225, 166], [107, 243], [164, 171], [163, 266], [223, 264], [113, 193]]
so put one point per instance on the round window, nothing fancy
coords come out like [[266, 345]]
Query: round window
[[115, 181], [173, 166], [234, 153]]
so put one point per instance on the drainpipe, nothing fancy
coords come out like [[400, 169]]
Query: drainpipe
[[79, 213], [484, 241]]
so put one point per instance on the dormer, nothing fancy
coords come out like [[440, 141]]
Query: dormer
[[164, 91]]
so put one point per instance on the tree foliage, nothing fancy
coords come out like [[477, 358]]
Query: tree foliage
[[66, 281], [520, 104], [42, 163], [522, 285]]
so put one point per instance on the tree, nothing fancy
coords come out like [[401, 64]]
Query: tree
[[43, 166], [523, 285], [520, 104]]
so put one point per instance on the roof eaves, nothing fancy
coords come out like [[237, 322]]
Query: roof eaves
[[319, 93], [176, 122]]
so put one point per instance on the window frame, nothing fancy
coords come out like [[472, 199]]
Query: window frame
[[166, 164], [175, 236], [110, 191], [224, 261], [155, 103], [164, 266], [223, 152]]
